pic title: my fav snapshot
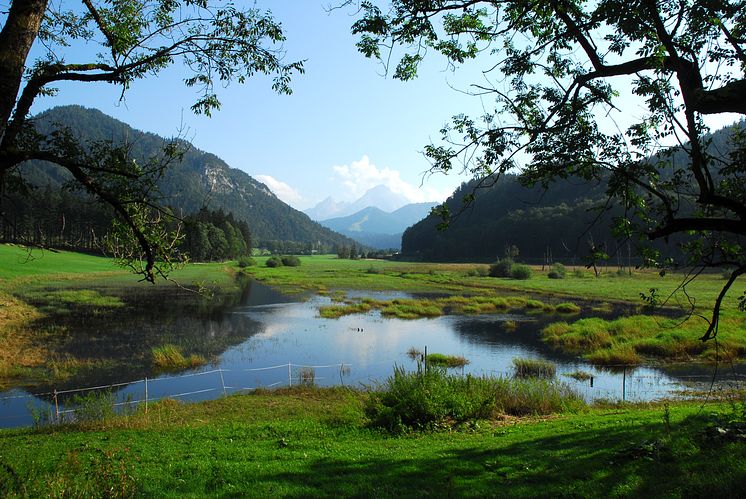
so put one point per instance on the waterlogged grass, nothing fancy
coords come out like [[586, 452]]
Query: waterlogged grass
[[443, 360], [171, 358], [534, 368], [630, 340], [298, 443], [418, 308]]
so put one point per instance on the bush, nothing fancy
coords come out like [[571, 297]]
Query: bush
[[246, 261], [274, 261], [522, 272], [501, 268], [291, 261], [557, 271]]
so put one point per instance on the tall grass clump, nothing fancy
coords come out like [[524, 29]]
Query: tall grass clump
[[434, 399], [428, 400], [534, 368], [170, 358], [443, 360]]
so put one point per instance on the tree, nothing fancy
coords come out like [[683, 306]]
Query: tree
[[551, 67], [137, 39]]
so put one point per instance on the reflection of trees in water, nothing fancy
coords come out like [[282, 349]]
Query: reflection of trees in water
[[491, 331], [120, 341]]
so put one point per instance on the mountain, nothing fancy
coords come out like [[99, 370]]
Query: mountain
[[374, 227], [200, 179], [561, 221], [380, 197]]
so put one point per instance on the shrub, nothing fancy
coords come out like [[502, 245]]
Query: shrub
[[501, 268], [274, 261], [246, 261], [534, 368], [522, 272], [290, 261], [557, 271]]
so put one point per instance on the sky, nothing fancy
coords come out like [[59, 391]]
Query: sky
[[346, 127]]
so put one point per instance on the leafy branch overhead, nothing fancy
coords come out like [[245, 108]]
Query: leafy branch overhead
[[135, 39], [598, 91]]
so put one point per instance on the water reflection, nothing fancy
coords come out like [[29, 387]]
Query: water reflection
[[254, 333]]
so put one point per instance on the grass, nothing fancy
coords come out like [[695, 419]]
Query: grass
[[443, 360], [534, 368], [171, 358], [629, 340], [300, 442]]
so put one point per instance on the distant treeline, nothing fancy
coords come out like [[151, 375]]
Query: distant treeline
[[215, 236]]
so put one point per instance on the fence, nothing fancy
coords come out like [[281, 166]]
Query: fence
[[58, 406], [621, 383]]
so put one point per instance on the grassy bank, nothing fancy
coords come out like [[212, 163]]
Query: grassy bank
[[40, 290], [313, 442]]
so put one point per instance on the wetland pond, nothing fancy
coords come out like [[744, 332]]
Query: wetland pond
[[258, 337]]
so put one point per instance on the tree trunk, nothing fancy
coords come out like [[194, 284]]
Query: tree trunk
[[16, 38]]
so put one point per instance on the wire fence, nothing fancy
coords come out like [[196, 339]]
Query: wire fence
[[59, 406]]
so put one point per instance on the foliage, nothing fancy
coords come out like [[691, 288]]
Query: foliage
[[501, 268], [290, 261], [215, 236], [551, 67], [534, 368], [216, 45], [246, 261], [557, 271], [274, 262], [520, 271]]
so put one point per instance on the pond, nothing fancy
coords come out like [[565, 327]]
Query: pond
[[257, 337]]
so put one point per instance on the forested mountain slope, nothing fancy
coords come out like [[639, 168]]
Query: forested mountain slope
[[200, 180], [562, 221]]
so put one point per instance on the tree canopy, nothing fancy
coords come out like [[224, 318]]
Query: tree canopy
[[599, 90], [216, 43]]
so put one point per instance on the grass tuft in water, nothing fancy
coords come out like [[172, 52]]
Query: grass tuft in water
[[442, 360], [170, 358], [534, 368]]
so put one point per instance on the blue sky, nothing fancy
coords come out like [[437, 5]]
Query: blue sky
[[344, 129]]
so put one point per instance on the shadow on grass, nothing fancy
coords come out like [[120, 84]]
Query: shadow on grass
[[622, 460]]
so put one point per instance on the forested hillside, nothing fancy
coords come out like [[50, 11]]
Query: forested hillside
[[561, 223], [201, 179]]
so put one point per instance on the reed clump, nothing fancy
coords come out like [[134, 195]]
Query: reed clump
[[534, 368], [434, 400], [170, 358]]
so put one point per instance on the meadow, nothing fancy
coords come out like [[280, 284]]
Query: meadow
[[309, 441], [318, 442]]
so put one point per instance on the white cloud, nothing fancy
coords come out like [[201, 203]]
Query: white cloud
[[281, 189], [359, 176]]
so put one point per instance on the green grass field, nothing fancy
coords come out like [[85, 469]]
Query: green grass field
[[315, 443]]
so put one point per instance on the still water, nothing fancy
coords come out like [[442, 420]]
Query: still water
[[258, 337]]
